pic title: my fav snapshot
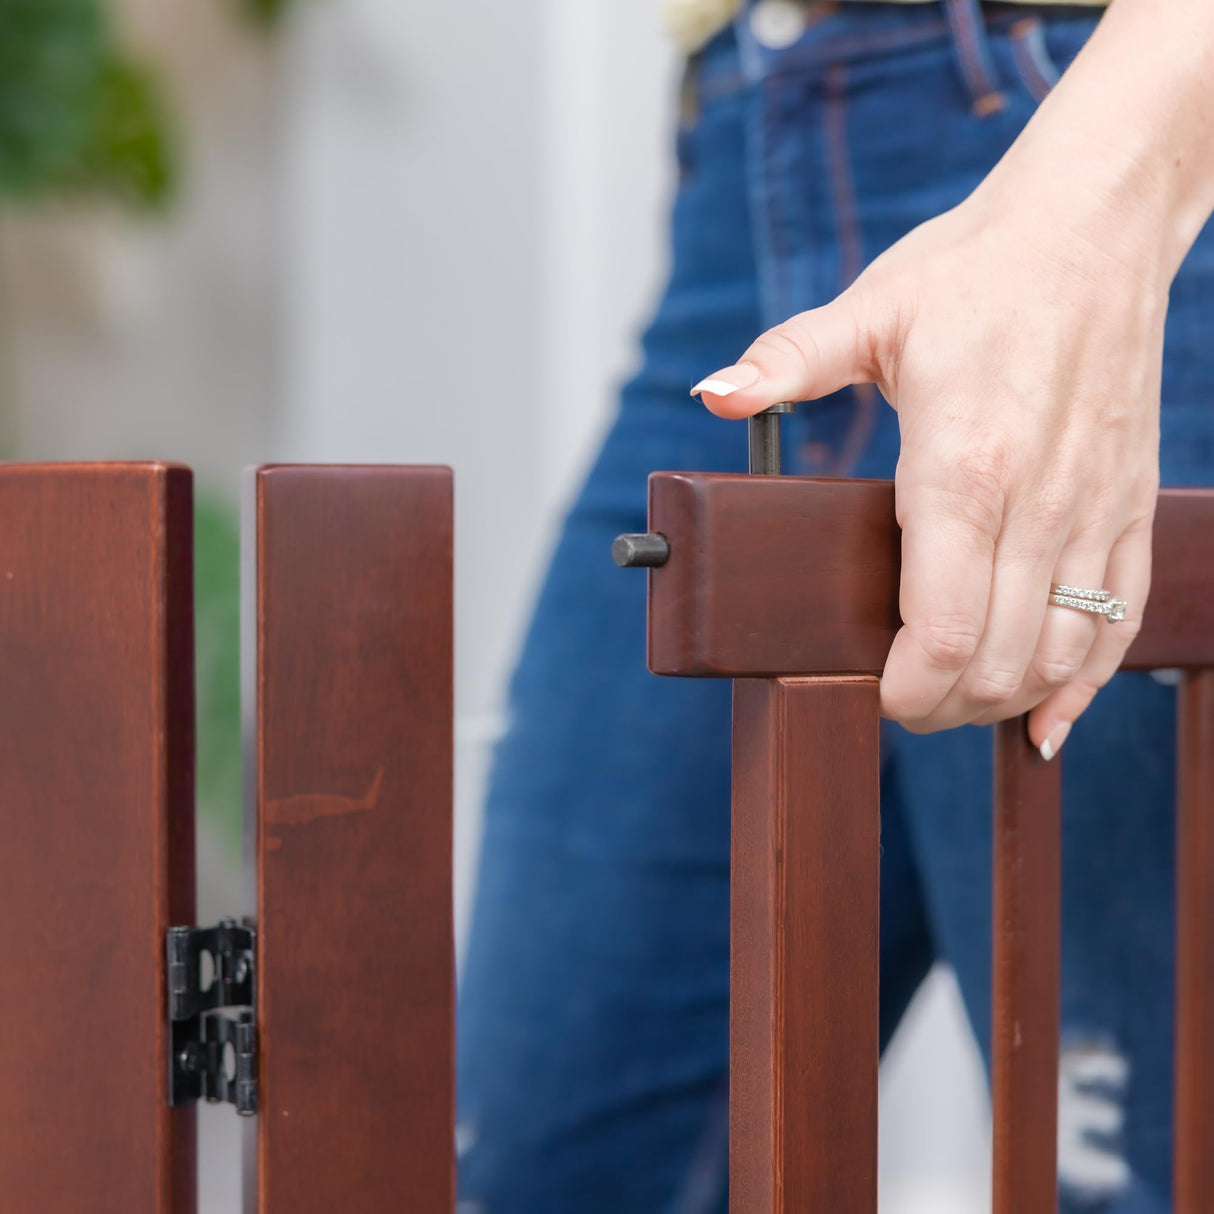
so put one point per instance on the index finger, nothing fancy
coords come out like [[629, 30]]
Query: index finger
[[948, 554]]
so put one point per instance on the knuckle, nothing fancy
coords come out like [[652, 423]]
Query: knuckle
[[1140, 525], [1051, 509], [1102, 500], [1088, 685], [790, 343], [900, 707], [992, 686], [983, 472], [1090, 531], [1056, 667], [1146, 494], [948, 642], [970, 488], [909, 707]]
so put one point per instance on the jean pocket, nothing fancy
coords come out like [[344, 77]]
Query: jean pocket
[[1041, 49]]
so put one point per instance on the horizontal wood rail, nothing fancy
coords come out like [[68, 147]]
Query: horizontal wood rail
[[780, 575]]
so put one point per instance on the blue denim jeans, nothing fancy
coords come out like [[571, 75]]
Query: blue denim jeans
[[594, 1005]]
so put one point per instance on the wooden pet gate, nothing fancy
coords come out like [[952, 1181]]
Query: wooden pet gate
[[327, 1013]]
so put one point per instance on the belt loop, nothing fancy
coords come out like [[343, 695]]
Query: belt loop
[[689, 90], [749, 51], [972, 47]]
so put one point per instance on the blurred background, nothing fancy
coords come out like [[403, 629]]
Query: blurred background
[[235, 231]]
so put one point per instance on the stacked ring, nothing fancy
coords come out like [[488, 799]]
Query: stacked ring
[[1095, 602]]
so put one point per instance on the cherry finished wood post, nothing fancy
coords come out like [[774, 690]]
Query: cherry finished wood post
[[1026, 973], [804, 935], [1194, 1181], [348, 595], [96, 832], [790, 585]]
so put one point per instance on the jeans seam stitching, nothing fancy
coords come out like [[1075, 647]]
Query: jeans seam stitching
[[975, 65], [775, 242], [851, 246], [1026, 39]]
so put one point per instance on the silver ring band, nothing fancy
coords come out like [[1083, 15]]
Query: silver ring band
[[1095, 602]]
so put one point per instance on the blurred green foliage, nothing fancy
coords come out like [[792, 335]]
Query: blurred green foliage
[[217, 632], [80, 117], [77, 115], [266, 11]]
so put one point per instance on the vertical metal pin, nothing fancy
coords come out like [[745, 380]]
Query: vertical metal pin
[[765, 440]]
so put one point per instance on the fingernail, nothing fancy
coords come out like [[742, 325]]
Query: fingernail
[[1053, 742], [728, 380]]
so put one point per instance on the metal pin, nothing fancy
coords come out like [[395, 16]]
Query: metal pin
[[765, 440], [652, 551], [648, 551]]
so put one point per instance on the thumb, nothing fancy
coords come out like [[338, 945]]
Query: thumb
[[811, 355]]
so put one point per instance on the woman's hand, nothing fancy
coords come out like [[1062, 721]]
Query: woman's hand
[[1025, 373], [1019, 337]]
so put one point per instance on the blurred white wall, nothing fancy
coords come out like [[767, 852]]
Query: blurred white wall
[[472, 225]]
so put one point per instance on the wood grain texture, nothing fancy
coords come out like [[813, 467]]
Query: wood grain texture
[[804, 947], [1194, 1172], [1026, 971], [773, 576], [350, 593], [97, 815]]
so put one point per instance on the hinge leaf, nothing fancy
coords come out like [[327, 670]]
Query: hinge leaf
[[212, 1025]]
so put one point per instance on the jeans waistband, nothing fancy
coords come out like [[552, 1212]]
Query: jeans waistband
[[839, 32]]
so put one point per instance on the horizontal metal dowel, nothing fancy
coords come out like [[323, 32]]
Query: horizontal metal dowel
[[640, 551]]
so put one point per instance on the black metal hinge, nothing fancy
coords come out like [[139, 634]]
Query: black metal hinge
[[212, 1025]]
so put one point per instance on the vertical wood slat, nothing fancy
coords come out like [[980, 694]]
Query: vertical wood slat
[[1026, 950], [350, 597], [97, 826], [804, 1036], [1194, 1170]]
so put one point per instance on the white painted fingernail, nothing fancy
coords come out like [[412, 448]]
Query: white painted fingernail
[[718, 387], [728, 380], [1053, 742]]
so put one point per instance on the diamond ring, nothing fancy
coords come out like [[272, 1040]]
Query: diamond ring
[[1095, 602]]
